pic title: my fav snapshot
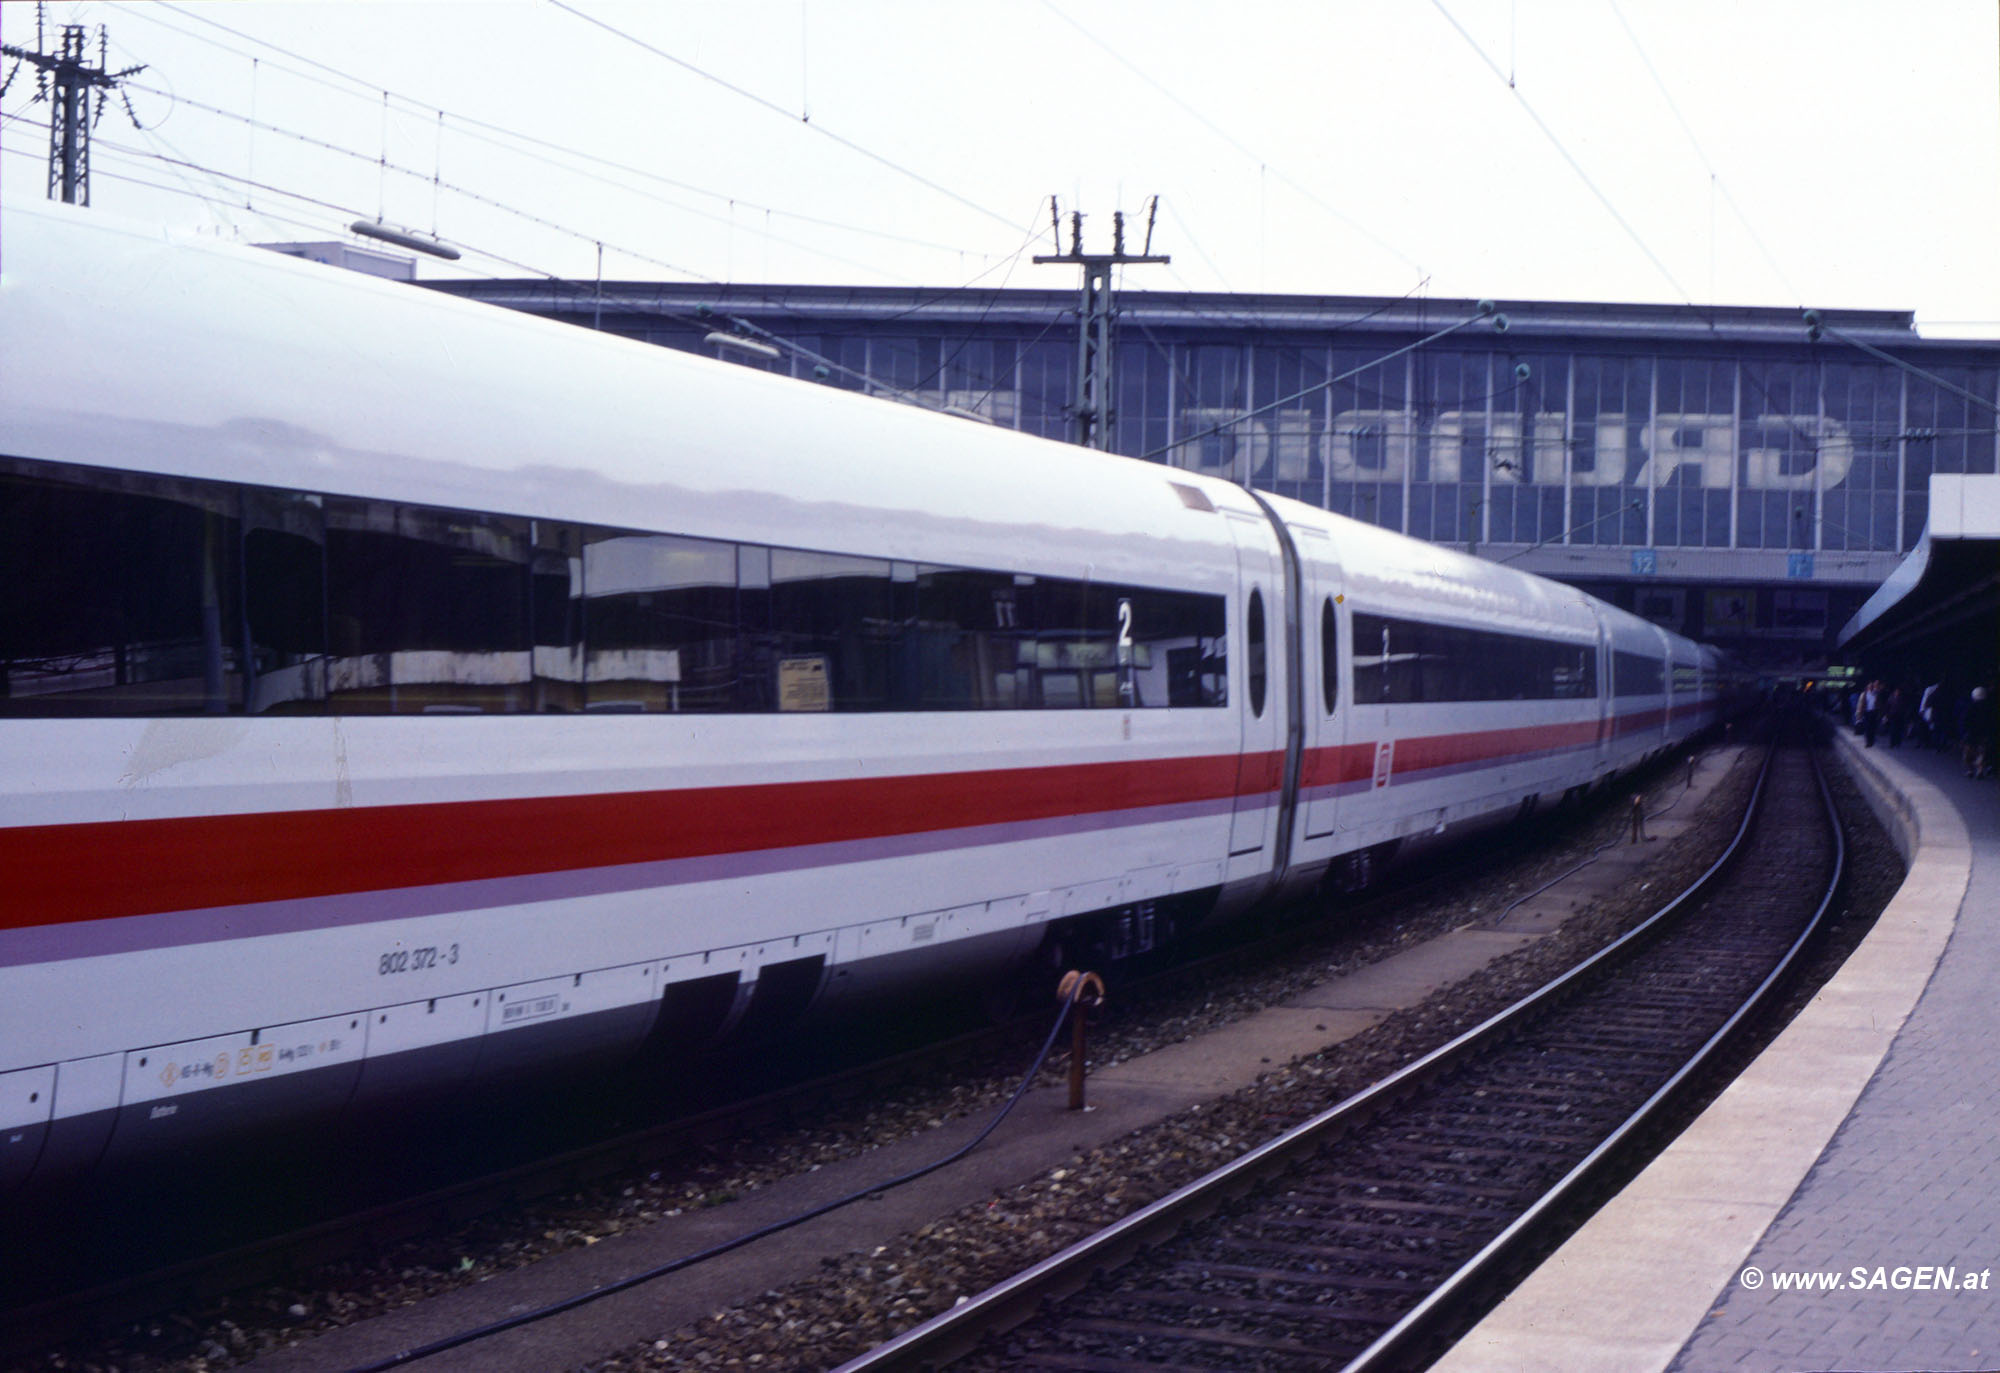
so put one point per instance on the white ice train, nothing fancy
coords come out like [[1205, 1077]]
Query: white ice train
[[396, 691]]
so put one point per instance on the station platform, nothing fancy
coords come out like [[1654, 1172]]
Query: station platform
[[1838, 1206]]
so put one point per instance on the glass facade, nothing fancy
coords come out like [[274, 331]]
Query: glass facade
[[1494, 446]]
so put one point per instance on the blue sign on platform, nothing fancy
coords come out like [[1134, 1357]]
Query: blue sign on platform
[[1645, 562], [1799, 565]]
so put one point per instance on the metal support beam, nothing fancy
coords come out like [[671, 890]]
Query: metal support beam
[[1092, 407], [70, 107]]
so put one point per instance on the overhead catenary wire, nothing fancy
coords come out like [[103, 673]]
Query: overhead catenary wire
[[874, 385], [1575, 166], [385, 164], [1262, 163], [435, 178], [1818, 326], [1317, 386], [1623, 507], [501, 136], [348, 210], [759, 100], [1013, 261], [1715, 177]]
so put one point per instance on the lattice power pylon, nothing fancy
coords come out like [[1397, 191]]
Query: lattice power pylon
[[71, 85]]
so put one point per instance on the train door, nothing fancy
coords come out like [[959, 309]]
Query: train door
[[1607, 700], [1260, 764], [1665, 729], [1369, 751], [1326, 710]]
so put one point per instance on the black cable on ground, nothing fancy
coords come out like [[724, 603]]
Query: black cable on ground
[[463, 1337]]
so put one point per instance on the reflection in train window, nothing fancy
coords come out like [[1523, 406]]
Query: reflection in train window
[[120, 594], [1329, 657], [1402, 660], [834, 617], [555, 616], [1637, 674], [284, 602], [427, 610], [1256, 646], [132, 594], [660, 623], [966, 644]]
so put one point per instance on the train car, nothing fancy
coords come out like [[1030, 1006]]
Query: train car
[[1442, 688], [397, 692]]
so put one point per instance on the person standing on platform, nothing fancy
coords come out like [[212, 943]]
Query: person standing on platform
[[1897, 715], [1868, 711], [1927, 716], [1979, 724]]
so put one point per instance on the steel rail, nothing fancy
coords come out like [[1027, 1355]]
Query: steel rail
[[954, 1333], [1419, 1323]]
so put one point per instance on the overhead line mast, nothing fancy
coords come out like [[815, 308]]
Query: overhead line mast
[[1095, 312], [70, 113]]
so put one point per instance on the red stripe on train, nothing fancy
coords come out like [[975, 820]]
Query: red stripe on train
[[62, 873], [59, 873]]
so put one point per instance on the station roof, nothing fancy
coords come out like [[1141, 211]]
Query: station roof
[[1211, 313], [1949, 585]]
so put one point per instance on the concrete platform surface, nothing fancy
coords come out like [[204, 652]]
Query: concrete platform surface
[[1860, 1151]]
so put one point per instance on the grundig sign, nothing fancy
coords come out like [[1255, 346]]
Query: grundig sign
[[1776, 452]]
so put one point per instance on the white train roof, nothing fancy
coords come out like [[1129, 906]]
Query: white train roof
[[137, 348], [1389, 573]]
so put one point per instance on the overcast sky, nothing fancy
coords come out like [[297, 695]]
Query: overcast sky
[[1768, 152]]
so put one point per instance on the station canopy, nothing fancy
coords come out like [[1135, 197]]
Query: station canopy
[[1943, 601]]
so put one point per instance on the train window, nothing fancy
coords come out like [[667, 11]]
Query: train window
[[1181, 640], [996, 640], [555, 616], [427, 610], [141, 595], [965, 647], [284, 603], [1164, 647], [1637, 674], [1573, 673], [833, 622], [659, 614], [121, 593], [1329, 656], [1399, 660], [1063, 652], [1256, 665], [1371, 658]]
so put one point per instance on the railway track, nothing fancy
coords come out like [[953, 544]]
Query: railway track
[[187, 1280], [1354, 1239]]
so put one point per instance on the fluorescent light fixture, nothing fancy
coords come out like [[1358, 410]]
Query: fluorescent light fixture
[[404, 238], [743, 345]]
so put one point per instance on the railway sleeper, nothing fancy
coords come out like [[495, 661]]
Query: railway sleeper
[[1128, 1330], [1306, 1313], [1334, 1206], [1321, 1225], [1375, 1255], [1341, 1183], [1295, 1277]]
